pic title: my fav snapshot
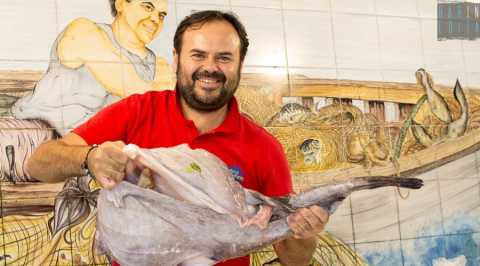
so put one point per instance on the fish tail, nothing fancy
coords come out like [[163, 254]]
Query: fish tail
[[372, 182]]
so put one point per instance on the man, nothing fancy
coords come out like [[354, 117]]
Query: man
[[93, 65], [209, 49]]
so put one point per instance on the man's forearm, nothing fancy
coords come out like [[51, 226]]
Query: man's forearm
[[54, 161], [295, 252]]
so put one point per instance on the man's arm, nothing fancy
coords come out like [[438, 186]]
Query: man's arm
[[57, 160], [306, 223]]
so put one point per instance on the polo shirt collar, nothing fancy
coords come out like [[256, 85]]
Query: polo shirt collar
[[231, 123]]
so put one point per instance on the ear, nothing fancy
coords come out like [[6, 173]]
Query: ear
[[175, 60]]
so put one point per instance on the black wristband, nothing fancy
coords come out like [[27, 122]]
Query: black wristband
[[85, 168]]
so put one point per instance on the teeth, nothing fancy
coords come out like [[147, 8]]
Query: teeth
[[208, 80]]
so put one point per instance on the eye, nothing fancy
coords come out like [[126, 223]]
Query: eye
[[198, 56], [224, 59], [147, 7]]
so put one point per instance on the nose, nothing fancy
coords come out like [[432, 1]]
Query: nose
[[155, 17], [210, 64]]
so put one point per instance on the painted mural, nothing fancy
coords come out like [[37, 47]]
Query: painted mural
[[417, 120]]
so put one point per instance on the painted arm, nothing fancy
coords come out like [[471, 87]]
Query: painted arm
[[84, 43]]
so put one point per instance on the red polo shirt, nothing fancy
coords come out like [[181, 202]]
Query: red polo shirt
[[155, 119]]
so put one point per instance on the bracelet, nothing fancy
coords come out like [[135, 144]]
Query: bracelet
[[85, 168]]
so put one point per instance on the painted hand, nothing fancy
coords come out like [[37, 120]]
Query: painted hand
[[107, 163], [307, 222]]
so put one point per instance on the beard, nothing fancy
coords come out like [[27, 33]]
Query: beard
[[186, 87]]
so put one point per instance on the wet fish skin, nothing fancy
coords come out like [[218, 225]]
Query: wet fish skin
[[138, 226]]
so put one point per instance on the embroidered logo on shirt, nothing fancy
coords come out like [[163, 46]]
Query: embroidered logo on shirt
[[236, 173]]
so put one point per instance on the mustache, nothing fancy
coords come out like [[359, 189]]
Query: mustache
[[206, 74]]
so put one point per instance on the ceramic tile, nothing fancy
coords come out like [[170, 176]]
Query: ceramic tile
[[423, 250], [208, 2], [420, 213], [399, 75], [406, 8], [185, 9], [474, 80], [29, 29], [463, 249], [381, 253], [312, 73], [340, 223], [465, 167], [400, 43], [440, 55], [257, 3], [359, 74], [375, 216], [429, 175], [24, 227], [427, 8], [448, 78], [346, 6], [97, 11], [40, 65], [460, 205], [273, 72], [321, 5], [265, 32], [313, 45], [472, 55], [356, 41], [163, 44]]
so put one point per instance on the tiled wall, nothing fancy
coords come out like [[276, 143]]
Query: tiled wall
[[372, 40], [383, 40]]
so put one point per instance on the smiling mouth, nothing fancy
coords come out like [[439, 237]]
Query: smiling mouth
[[150, 28], [209, 83]]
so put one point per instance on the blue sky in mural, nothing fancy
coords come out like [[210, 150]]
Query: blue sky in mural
[[459, 246]]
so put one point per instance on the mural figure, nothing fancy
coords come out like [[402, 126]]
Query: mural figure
[[82, 79]]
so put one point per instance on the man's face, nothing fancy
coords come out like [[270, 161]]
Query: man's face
[[208, 66], [144, 17]]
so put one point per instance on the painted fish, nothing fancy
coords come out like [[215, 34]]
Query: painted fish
[[290, 113], [193, 225]]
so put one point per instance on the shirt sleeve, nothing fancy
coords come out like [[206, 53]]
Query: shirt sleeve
[[109, 124], [276, 177]]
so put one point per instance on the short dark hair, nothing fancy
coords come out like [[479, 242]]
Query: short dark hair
[[113, 9], [199, 18]]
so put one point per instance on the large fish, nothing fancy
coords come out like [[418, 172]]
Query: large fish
[[198, 214]]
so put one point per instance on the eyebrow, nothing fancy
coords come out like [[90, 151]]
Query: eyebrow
[[217, 54], [197, 51], [225, 53]]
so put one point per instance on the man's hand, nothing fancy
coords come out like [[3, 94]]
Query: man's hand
[[107, 163], [307, 222]]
